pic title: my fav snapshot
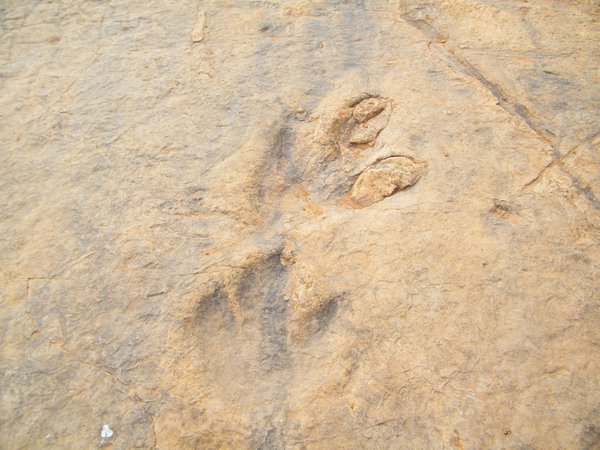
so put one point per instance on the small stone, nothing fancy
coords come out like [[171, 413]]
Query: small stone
[[199, 27], [106, 432], [368, 109], [385, 178], [363, 135]]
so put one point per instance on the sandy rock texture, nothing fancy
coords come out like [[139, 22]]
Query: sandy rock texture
[[300, 224]]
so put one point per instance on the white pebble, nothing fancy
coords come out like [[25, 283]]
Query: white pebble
[[106, 432]]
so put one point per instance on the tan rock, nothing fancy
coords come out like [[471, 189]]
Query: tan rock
[[199, 30], [356, 133], [184, 261], [368, 109], [385, 178], [363, 134]]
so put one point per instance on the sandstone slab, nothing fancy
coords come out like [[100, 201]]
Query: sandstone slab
[[182, 264]]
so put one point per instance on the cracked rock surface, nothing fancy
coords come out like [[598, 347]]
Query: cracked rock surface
[[300, 224]]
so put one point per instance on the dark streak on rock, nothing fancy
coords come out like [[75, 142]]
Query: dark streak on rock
[[462, 65], [273, 348], [214, 309]]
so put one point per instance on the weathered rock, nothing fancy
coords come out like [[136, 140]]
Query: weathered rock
[[385, 178], [182, 264], [356, 133], [199, 28], [368, 108], [363, 134]]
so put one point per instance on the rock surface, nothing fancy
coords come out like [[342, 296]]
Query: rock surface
[[385, 178], [180, 266], [368, 108]]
